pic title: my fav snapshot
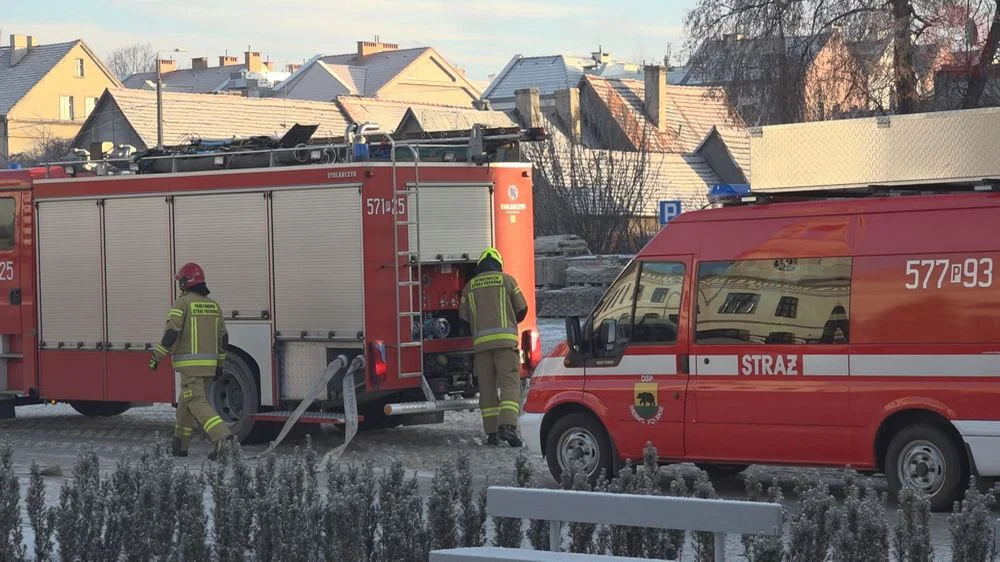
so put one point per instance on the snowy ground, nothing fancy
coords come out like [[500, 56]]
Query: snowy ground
[[56, 435]]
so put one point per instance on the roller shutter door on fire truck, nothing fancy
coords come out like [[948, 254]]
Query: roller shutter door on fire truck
[[318, 282], [227, 235], [70, 281], [454, 220]]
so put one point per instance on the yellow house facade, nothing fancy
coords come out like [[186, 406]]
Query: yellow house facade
[[46, 92]]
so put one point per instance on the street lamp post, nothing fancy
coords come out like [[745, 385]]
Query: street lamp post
[[159, 99]]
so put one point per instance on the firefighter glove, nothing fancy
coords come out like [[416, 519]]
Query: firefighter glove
[[153, 364]]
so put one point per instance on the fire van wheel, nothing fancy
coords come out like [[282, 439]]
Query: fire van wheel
[[579, 441], [100, 409], [925, 459], [235, 396]]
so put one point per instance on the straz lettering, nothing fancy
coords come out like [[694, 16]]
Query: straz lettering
[[341, 175], [770, 364]]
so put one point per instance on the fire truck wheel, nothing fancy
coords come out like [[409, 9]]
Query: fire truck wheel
[[925, 459], [100, 409], [235, 396], [579, 440]]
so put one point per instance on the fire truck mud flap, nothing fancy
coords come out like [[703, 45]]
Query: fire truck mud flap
[[319, 388]]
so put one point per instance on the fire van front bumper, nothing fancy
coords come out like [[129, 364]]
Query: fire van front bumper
[[531, 431]]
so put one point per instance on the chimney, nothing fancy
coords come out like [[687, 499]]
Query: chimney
[[200, 63], [228, 61], [252, 61], [528, 107], [292, 67], [167, 65], [269, 65], [366, 48], [656, 95], [568, 110], [19, 45]]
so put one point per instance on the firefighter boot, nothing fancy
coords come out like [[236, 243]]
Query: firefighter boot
[[491, 439], [509, 434], [178, 451], [219, 445]]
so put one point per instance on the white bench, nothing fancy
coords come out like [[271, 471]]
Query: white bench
[[720, 517]]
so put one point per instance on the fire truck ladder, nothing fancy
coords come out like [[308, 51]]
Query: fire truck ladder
[[409, 310]]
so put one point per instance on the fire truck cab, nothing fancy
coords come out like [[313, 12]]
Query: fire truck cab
[[316, 251], [817, 328]]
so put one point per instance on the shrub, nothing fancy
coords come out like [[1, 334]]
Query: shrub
[[912, 539], [42, 518], [764, 548], [972, 532], [11, 538], [810, 529], [860, 532]]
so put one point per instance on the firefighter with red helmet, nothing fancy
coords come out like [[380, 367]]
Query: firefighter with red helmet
[[493, 305], [196, 339]]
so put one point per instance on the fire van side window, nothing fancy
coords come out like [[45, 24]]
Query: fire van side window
[[783, 301], [656, 311], [616, 305], [6, 224]]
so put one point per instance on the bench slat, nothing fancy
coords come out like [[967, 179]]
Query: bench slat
[[497, 554], [661, 512]]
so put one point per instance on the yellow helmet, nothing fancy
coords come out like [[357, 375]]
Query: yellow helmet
[[490, 252]]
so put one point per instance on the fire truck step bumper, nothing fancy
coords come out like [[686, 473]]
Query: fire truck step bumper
[[307, 417], [398, 409]]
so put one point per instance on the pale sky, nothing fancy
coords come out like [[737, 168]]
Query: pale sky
[[475, 35]]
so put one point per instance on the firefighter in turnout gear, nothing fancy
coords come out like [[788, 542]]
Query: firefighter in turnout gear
[[196, 339], [493, 305]]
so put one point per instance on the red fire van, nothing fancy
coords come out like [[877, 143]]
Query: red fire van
[[856, 327]]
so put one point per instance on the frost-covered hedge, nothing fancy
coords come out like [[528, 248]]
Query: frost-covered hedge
[[285, 508]]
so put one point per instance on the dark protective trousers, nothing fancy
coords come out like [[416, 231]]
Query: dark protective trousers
[[195, 408], [497, 369]]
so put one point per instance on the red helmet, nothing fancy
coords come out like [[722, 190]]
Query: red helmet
[[190, 274]]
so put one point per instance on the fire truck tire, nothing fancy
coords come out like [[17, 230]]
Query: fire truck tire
[[926, 459], [100, 409], [579, 436], [235, 396]]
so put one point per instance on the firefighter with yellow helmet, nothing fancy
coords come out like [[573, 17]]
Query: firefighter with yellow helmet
[[493, 305], [196, 338]]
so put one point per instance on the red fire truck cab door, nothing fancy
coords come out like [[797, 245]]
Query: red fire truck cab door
[[640, 375], [10, 272]]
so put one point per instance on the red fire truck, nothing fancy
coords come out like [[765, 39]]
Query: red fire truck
[[827, 328], [316, 252]]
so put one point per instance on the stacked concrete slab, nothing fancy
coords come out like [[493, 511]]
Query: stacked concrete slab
[[568, 279]]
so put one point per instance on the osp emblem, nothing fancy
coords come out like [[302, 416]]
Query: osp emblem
[[646, 407], [512, 192]]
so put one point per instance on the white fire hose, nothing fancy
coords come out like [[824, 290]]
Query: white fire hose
[[350, 406]]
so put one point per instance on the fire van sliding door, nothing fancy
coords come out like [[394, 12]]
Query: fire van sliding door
[[770, 357]]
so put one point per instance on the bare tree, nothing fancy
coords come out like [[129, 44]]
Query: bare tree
[[763, 51], [601, 195], [47, 148], [132, 59]]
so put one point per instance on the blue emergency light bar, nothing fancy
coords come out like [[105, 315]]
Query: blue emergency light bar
[[728, 192]]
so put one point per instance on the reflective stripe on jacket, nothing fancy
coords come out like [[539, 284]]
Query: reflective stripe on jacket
[[492, 303], [201, 333]]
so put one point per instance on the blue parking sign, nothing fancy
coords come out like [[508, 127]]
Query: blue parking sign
[[669, 210]]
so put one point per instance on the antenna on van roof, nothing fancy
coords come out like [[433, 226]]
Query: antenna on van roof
[[741, 194]]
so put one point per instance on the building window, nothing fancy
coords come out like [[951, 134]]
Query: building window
[[788, 307], [66, 108], [739, 303], [7, 207], [655, 320], [810, 300], [79, 67], [88, 106]]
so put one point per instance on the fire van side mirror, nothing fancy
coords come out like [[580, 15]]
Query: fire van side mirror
[[609, 333], [574, 335]]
